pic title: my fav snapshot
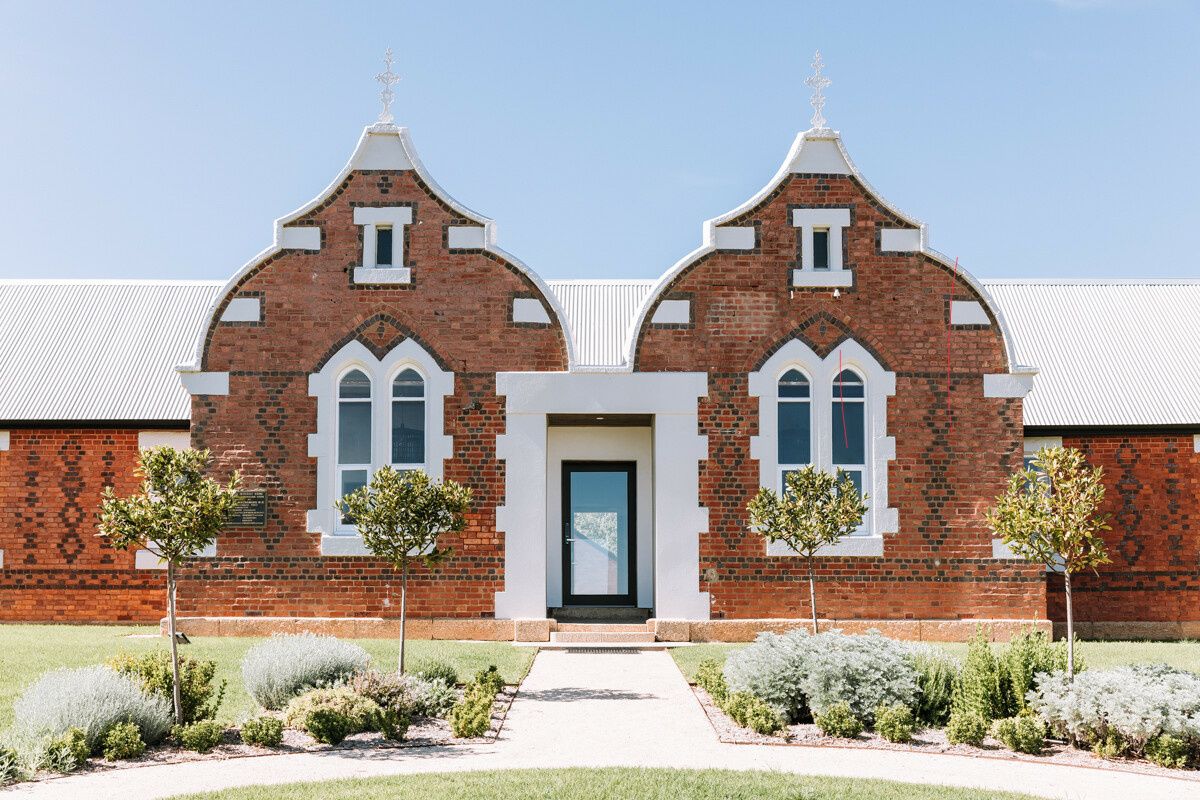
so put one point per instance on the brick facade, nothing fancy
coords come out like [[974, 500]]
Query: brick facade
[[939, 565], [55, 567], [458, 308]]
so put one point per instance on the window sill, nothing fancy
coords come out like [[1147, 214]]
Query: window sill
[[842, 278], [850, 547], [343, 544], [382, 275]]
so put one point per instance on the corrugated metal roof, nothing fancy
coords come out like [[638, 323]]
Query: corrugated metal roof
[[1108, 352], [599, 314], [97, 350]]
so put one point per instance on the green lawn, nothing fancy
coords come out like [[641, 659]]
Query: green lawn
[[611, 784], [1185, 655], [26, 651]]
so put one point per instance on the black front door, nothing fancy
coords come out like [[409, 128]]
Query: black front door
[[599, 523]]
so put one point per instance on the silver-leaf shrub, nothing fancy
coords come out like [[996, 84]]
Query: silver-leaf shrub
[[284, 667], [1120, 709], [796, 671], [93, 699]]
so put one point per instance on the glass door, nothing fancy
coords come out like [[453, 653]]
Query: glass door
[[599, 520]]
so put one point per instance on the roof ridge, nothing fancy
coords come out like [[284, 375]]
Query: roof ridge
[[107, 282]]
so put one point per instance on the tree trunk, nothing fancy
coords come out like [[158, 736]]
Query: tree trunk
[[174, 644], [812, 594], [403, 607], [1070, 630]]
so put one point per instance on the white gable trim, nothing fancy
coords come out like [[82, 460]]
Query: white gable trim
[[381, 146]]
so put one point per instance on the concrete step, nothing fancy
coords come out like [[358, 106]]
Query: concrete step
[[600, 614], [601, 627], [602, 637]]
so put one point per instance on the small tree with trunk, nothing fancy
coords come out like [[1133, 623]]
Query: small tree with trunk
[[400, 515], [1050, 515], [176, 513], [816, 509]]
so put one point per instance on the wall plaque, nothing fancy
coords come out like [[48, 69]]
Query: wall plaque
[[250, 512]]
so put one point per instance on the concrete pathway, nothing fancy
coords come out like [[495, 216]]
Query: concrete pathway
[[581, 709]]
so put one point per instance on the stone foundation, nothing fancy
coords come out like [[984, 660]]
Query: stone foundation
[[484, 630], [920, 630]]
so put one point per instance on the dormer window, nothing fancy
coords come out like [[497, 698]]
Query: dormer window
[[821, 234], [383, 246]]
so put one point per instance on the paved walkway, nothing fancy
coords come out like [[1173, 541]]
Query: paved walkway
[[611, 709]]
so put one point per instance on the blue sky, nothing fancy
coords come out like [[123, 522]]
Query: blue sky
[[1036, 138]]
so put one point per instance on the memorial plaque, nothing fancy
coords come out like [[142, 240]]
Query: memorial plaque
[[250, 512]]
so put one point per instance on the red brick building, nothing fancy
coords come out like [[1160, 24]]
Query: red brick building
[[612, 431]]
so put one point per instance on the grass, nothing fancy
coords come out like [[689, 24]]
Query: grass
[[1184, 655], [612, 784], [26, 651]]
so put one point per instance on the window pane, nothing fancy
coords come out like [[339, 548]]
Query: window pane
[[793, 384], [383, 247], [354, 433], [849, 442], [351, 479], [856, 476], [355, 384], [795, 425], [821, 249], [847, 384], [408, 432], [408, 384]]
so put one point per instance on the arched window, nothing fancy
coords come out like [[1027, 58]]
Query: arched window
[[849, 432], [354, 431], [408, 420], [795, 422]]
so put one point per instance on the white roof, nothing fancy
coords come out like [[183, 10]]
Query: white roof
[[1108, 352], [98, 350]]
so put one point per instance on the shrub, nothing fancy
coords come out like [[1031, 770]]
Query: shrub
[[966, 727], [1028, 655], [123, 741], [263, 731], [432, 669], [284, 667], [392, 724], [388, 689], [748, 711], [895, 723], [980, 689], [432, 698], [937, 678], [93, 699], [710, 678], [1118, 711], [839, 720], [63, 753], [329, 726], [472, 715], [1024, 734], [797, 671], [199, 696], [360, 712], [10, 766], [490, 679], [1168, 751], [200, 736]]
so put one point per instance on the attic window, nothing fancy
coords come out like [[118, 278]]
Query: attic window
[[383, 246], [820, 240]]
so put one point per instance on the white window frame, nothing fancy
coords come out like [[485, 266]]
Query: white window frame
[[879, 385], [338, 538], [368, 401], [780, 468], [371, 218], [834, 397], [835, 221], [392, 400]]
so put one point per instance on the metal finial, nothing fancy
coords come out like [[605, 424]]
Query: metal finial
[[388, 79], [818, 83]]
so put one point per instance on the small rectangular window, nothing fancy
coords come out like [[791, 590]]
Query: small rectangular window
[[383, 247], [820, 248]]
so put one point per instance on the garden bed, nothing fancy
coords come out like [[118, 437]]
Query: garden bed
[[424, 732], [927, 740]]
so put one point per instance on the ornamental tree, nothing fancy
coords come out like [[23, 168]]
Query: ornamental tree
[[400, 515], [1049, 515], [816, 509], [176, 513]]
